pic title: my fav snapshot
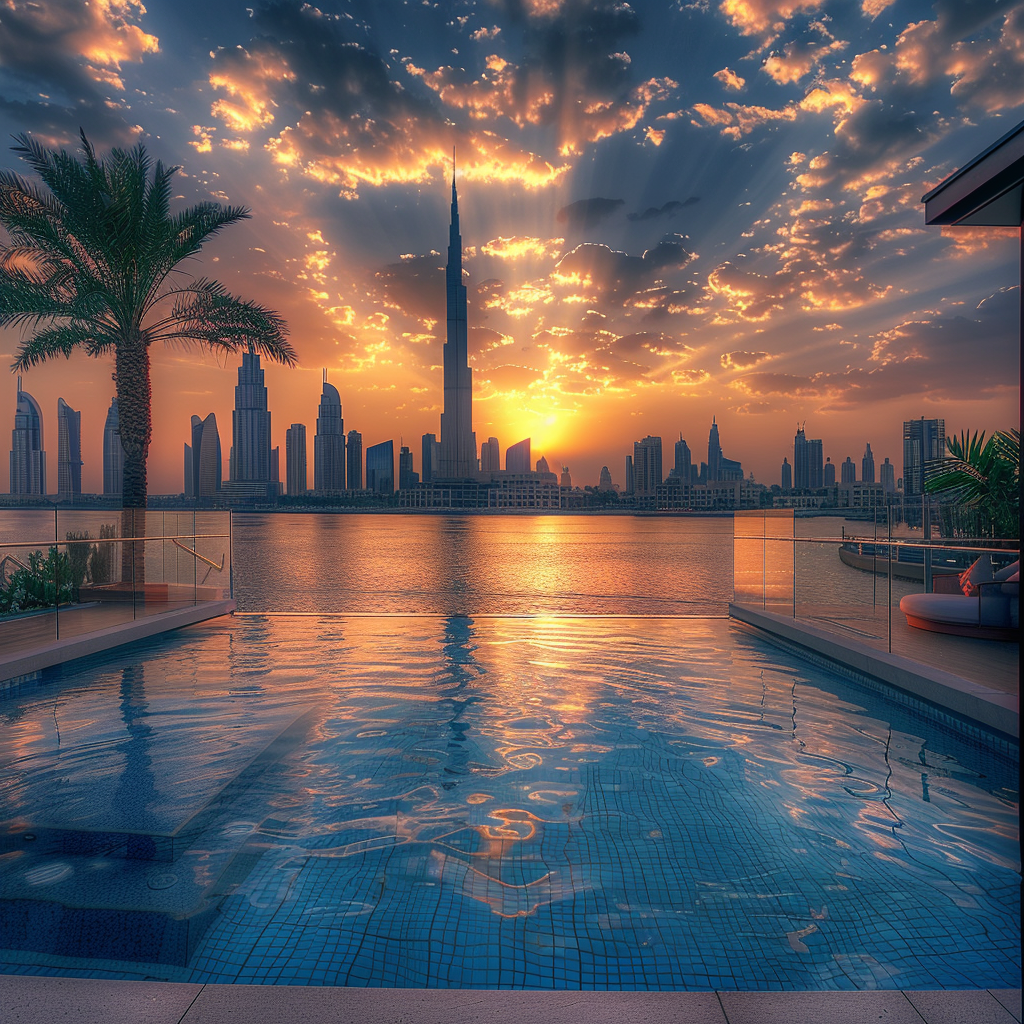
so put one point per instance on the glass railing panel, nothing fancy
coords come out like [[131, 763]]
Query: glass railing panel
[[763, 559]]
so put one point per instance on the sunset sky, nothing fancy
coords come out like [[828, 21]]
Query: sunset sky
[[670, 211]]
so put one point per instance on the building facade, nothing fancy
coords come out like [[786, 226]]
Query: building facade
[[407, 476], [517, 457], [458, 442], [295, 459], [848, 472], [924, 441], [380, 468], [28, 459], [647, 468], [113, 452], [867, 466], [329, 442], [430, 457], [490, 456], [203, 467], [69, 452], [249, 459], [354, 458]]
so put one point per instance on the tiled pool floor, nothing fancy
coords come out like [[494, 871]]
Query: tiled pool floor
[[497, 803]]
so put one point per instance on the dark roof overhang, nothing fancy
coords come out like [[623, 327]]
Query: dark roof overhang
[[988, 191]]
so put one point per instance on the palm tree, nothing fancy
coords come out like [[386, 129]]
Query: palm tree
[[93, 263], [979, 483]]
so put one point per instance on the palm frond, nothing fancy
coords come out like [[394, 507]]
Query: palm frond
[[207, 315], [59, 340]]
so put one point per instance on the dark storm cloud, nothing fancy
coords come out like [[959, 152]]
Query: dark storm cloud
[[587, 213], [654, 212], [59, 67], [415, 286], [616, 275]]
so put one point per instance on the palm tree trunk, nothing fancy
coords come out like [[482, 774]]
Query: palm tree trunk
[[134, 391]]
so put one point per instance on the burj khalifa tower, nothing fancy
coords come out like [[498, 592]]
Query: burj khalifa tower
[[458, 442]]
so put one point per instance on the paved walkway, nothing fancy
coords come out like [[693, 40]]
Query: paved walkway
[[32, 1000]]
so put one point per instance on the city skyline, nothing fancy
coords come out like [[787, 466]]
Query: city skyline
[[690, 212]]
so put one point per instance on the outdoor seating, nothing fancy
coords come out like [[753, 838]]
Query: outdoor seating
[[991, 609]]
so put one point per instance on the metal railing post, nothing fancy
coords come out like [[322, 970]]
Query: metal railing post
[[888, 578]]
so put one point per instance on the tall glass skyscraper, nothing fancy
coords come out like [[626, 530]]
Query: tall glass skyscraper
[[380, 468], [249, 461], [867, 466], [430, 460], [203, 467], [295, 458], [28, 460], [355, 460], [714, 453], [329, 443], [69, 452], [647, 465], [923, 442], [458, 442], [517, 457], [683, 461], [113, 453]]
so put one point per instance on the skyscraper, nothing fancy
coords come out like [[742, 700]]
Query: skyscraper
[[203, 467], [814, 463], [683, 461], [848, 471], [887, 477], [295, 458], [517, 457], [407, 476], [490, 456], [430, 457], [923, 441], [605, 483], [329, 443], [801, 465], [867, 466], [249, 461], [714, 453], [380, 468], [787, 475], [630, 476], [458, 442], [647, 465], [354, 450], [28, 460], [829, 475], [69, 452], [113, 452]]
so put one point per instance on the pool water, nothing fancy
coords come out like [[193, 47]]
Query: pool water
[[623, 803]]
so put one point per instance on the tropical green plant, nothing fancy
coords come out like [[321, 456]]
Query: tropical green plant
[[47, 580], [93, 263], [978, 484]]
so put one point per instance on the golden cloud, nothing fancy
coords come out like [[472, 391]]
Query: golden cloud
[[518, 247], [729, 79], [741, 360], [755, 17]]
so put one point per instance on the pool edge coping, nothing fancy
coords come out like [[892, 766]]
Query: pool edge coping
[[32, 998], [991, 709], [15, 667]]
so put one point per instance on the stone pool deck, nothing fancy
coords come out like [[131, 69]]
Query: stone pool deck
[[34, 1000]]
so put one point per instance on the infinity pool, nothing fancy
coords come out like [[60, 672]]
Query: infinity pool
[[624, 803]]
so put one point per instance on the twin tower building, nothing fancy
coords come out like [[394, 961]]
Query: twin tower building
[[254, 470]]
